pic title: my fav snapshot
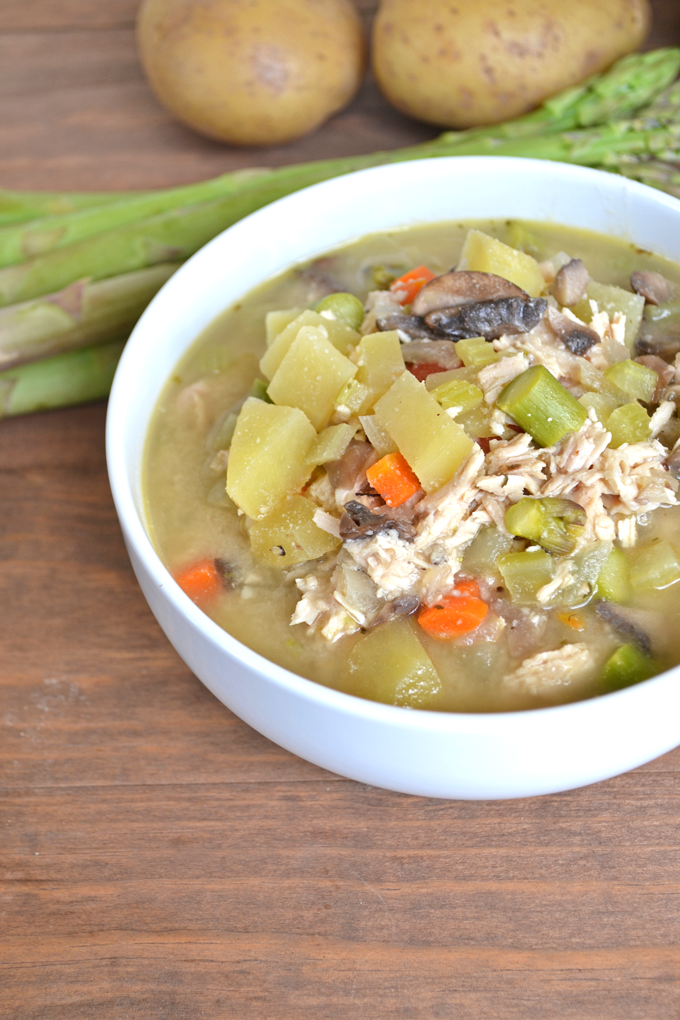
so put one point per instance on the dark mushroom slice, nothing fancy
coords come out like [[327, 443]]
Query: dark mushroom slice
[[663, 346], [359, 522], [412, 325], [619, 621], [489, 319], [404, 606], [570, 284], [463, 287], [576, 337], [653, 287]]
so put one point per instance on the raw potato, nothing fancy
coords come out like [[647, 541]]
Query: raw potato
[[463, 64], [251, 72]]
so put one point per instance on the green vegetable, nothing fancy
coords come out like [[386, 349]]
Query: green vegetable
[[23, 206], [525, 573], [613, 582], [542, 406], [259, 391], [345, 307], [81, 315], [556, 524], [628, 424], [627, 666], [633, 379], [458, 393], [75, 377], [476, 352], [602, 403], [657, 566]]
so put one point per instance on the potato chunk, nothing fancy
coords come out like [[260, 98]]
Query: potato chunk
[[331, 444], [268, 456], [613, 299], [311, 375], [432, 443], [339, 333], [275, 322], [380, 364], [486, 254], [391, 665], [289, 535]]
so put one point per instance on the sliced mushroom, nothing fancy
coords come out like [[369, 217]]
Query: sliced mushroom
[[621, 622], [653, 287], [463, 287], [413, 325], [576, 337], [665, 372], [426, 352], [489, 319], [570, 284], [404, 606], [359, 522], [665, 347]]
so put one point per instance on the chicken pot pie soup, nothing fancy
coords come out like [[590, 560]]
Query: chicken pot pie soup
[[442, 488]]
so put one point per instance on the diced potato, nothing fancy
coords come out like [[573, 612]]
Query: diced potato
[[525, 573], [602, 403], [391, 665], [657, 566], [380, 364], [268, 456], [486, 254], [457, 393], [629, 423], [441, 378], [476, 352], [482, 555], [432, 443], [311, 376], [276, 322], [331, 444], [340, 335], [289, 535], [613, 299], [477, 422], [380, 440], [637, 381]]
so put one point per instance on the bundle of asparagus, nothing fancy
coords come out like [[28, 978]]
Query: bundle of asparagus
[[77, 270]]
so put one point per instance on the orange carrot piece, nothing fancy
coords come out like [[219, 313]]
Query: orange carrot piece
[[408, 285], [393, 479], [424, 369], [201, 582], [454, 615]]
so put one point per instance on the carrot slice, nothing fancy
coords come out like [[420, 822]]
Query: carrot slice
[[201, 582], [408, 285], [424, 369], [393, 479], [456, 614]]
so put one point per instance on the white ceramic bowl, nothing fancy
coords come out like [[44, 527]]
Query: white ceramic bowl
[[434, 754]]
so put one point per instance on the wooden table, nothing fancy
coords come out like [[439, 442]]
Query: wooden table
[[162, 860]]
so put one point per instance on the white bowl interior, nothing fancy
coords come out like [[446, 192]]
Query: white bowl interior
[[293, 230]]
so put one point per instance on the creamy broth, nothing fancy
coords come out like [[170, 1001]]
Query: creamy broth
[[189, 518]]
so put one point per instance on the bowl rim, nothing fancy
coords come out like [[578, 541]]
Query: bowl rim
[[136, 534]]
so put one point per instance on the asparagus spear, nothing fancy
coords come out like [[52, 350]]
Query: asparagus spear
[[72, 378], [83, 314], [624, 88], [22, 206], [22, 241]]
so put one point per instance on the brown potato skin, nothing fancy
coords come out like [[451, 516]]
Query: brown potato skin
[[251, 72], [463, 63]]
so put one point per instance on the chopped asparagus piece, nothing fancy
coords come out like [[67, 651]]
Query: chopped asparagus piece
[[476, 352], [345, 307], [628, 424], [542, 406], [556, 524], [637, 381], [627, 666], [613, 583], [657, 566]]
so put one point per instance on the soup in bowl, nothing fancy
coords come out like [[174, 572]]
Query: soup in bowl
[[401, 489]]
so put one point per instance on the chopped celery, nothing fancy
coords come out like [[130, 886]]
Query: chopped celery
[[458, 393], [627, 666], [542, 406], [440, 378], [330, 444], [481, 556], [554, 523], [657, 566], [602, 404], [628, 424], [614, 580], [633, 379], [345, 307], [259, 391], [476, 352], [613, 299], [525, 573], [353, 396]]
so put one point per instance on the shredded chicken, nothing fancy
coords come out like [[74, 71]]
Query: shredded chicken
[[562, 667]]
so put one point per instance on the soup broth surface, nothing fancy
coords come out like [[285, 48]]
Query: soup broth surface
[[190, 518]]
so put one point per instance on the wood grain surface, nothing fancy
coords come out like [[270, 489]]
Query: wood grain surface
[[160, 859]]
